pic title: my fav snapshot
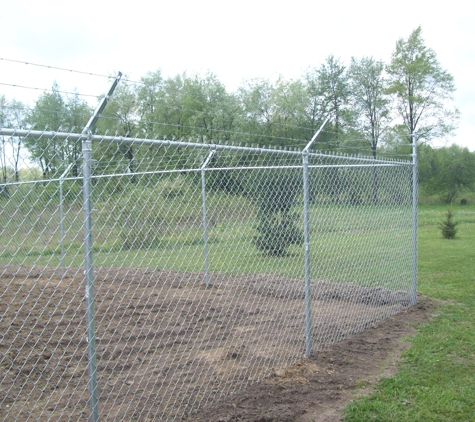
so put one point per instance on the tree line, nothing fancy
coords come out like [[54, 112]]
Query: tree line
[[375, 107]]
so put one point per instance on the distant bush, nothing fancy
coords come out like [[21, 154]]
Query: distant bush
[[276, 233], [172, 188], [141, 216], [135, 217], [72, 190]]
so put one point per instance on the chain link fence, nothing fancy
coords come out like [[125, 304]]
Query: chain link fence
[[144, 279]]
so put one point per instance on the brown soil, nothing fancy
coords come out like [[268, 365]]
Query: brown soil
[[317, 389], [167, 345]]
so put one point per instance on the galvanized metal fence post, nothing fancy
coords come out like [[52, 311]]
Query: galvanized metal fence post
[[88, 263], [414, 217], [61, 225], [205, 220], [306, 224], [89, 275], [308, 304]]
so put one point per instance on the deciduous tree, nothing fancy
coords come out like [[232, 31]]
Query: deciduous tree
[[55, 112], [12, 115], [421, 88], [49, 114], [369, 99], [334, 85]]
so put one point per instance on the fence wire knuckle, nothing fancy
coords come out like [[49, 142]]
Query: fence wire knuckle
[[185, 271]]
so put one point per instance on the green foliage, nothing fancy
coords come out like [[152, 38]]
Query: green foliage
[[136, 217], [261, 111], [275, 196], [277, 232], [120, 115], [185, 106], [53, 112], [228, 181], [72, 190], [43, 194], [172, 187], [421, 88], [333, 79], [370, 102], [328, 93], [274, 113], [12, 114], [446, 172], [448, 226]]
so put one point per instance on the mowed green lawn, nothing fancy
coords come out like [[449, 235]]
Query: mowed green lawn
[[436, 377]]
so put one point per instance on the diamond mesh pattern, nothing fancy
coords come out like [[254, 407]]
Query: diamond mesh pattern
[[199, 270]]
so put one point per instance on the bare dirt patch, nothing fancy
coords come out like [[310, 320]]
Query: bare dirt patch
[[167, 345], [316, 389]]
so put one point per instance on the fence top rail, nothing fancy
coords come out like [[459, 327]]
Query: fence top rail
[[181, 143]]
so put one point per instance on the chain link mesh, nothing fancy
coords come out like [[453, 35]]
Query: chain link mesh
[[199, 270]]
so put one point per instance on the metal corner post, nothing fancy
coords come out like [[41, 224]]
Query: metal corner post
[[89, 276], [88, 245], [414, 217]]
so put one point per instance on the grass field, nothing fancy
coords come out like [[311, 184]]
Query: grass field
[[345, 240], [436, 378]]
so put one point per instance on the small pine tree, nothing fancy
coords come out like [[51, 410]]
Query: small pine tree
[[276, 233], [448, 226], [277, 227]]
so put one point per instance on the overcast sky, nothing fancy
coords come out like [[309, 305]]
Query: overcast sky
[[234, 40]]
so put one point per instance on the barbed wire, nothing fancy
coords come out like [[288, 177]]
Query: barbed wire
[[81, 72], [54, 67], [231, 132], [49, 90], [203, 113], [248, 136]]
